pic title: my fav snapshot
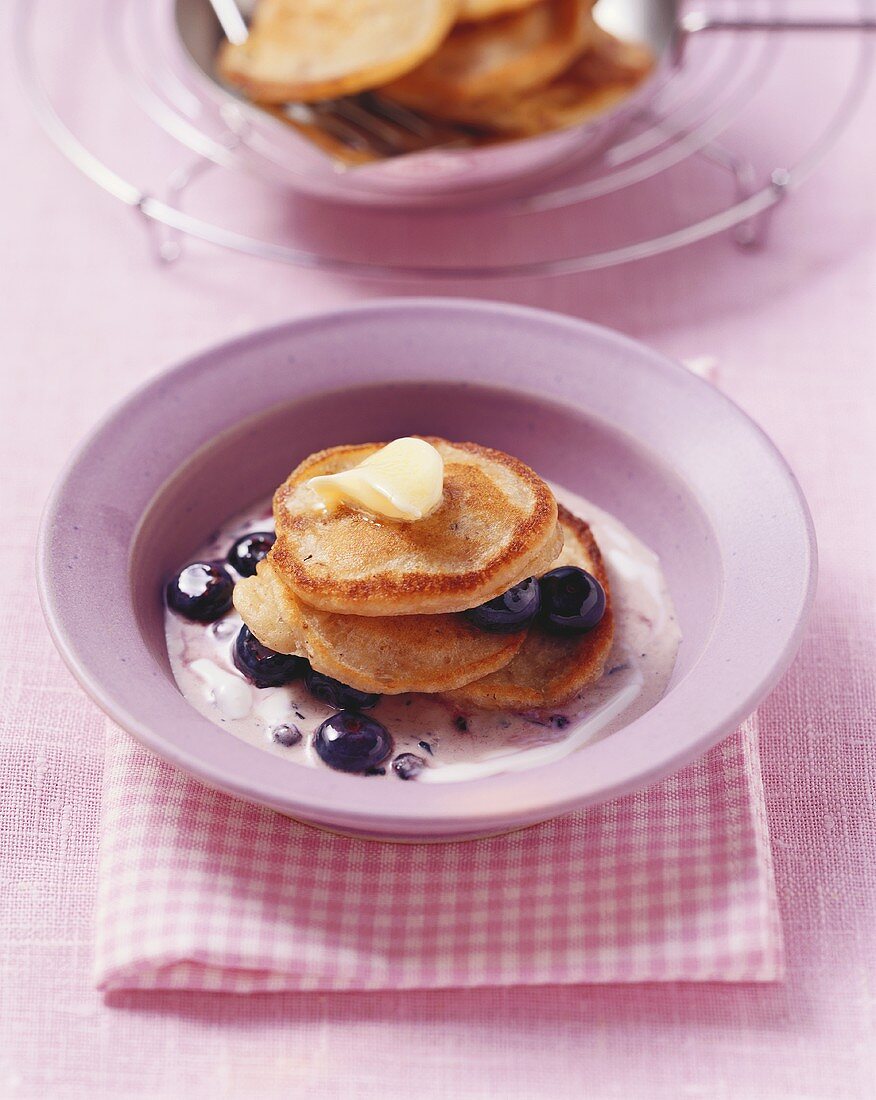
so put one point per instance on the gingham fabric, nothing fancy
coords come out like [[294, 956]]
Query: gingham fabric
[[201, 891]]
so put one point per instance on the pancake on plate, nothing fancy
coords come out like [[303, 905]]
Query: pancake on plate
[[440, 74], [550, 669], [309, 50], [496, 524], [473, 11], [388, 655], [600, 78], [506, 56]]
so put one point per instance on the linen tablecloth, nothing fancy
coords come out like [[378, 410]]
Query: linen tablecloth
[[88, 315], [203, 892]]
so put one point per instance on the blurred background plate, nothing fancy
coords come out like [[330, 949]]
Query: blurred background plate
[[719, 133]]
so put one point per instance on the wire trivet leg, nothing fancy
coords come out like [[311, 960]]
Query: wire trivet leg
[[750, 233], [167, 241]]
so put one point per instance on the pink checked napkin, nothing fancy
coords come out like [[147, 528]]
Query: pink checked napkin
[[200, 891]]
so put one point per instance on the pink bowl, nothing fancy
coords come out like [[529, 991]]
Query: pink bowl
[[636, 433]]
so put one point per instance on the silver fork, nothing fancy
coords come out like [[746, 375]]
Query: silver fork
[[365, 123]]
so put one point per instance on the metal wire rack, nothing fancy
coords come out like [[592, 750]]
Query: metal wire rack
[[193, 164]]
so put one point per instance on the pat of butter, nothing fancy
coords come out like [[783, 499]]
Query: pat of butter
[[403, 481]]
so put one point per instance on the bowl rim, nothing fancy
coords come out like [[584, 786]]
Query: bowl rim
[[434, 809]]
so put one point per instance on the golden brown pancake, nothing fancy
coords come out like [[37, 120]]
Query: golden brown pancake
[[602, 77], [496, 525], [428, 653], [473, 11], [309, 50], [263, 602], [504, 56], [596, 82], [551, 669]]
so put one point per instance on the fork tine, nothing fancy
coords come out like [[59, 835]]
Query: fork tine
[[333, 125], [390, 132], [231, 20], [399, 115], [372, 125], [426, 132], [366, 123]]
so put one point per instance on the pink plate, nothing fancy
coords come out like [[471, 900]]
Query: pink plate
[[185, 36], [637, 434]]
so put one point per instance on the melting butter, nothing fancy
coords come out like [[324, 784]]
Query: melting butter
[[402, 481]]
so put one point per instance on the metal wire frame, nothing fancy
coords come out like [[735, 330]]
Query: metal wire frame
[[622, 168]]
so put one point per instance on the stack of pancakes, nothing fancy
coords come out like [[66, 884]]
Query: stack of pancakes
[[497, 68], [378, 604]]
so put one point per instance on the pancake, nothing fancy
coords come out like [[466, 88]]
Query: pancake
[[550, 669], [472, 11], [566, 102], [508, 55], [496, 525], [598, 80], [427, 653], [263, 602], [309, 50]]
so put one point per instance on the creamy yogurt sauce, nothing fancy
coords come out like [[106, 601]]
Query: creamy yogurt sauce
[[455, 745]]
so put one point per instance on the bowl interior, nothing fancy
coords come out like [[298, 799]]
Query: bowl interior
[[562, 443]]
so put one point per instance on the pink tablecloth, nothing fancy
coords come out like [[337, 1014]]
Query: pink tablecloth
[[200, 891], [86, 316]]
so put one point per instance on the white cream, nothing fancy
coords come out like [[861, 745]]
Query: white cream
[[228, 691], [273, 706], [506, 760], [637, 674]]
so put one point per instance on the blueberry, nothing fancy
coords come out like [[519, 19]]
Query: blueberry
[[510, 612], [352, 742], [262, 666], [407, 765], [335, 694], [572, 601], [248, 551], [286, 735], [201, 592]]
